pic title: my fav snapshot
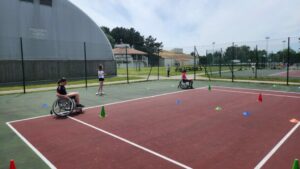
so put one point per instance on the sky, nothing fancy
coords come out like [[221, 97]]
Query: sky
[[188, 23]]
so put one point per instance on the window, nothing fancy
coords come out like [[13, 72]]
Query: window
[[27, 1], [46, 2]]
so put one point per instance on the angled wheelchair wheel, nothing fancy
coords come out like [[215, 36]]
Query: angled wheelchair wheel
[[183, 85], [63, 107]]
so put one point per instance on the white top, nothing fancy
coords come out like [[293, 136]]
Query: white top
[[100, 74]]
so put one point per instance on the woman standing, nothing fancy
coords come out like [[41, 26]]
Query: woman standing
[[101, 80]]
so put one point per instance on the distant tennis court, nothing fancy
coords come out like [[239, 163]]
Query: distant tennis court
[[292, 73]]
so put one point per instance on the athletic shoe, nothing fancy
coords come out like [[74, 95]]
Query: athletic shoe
[[97, 93], [79, 105]]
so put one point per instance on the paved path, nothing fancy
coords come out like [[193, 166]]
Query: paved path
[[177, 77]]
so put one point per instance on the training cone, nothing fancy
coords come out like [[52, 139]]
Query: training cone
[[218, 108], [209, 88], [102, 113], [259, 97], [246, 114], [294, 121], [12, 165], [295, 164]]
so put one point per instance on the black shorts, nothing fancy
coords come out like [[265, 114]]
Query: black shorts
[[73, 97], [101, 79], [186, 80]]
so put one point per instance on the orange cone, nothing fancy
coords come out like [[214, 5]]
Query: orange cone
[[260, 97], [12, 165]]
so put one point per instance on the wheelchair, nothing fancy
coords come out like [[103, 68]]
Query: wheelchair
[[184, 85], [63, 107]]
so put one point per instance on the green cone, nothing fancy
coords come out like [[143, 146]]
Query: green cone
[[102, 113], [295, 164]]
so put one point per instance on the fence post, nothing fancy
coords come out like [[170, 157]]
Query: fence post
[[126, 64], [288, 62], [23, 68], [158, 64], [220, 57], [256, 64], [194, 62], [85, 64], [232, 65]]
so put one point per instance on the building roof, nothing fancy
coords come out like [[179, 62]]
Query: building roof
[[130, 51], [173, 55]]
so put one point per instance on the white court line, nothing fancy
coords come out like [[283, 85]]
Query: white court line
[[32, 147], [277, 146], [133, 144], [279, 73], [141, 98], [124, 101], [276, 91], [32, 118], [8, 123], [107, 104], [265, 94], [284, 73]]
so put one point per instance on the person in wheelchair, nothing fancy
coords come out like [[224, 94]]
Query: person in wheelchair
[[185, 79], [61, 92]]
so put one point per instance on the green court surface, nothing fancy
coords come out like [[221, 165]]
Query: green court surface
[[20, 106]]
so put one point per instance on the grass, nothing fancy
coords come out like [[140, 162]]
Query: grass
[[144, 71], [70, 82]]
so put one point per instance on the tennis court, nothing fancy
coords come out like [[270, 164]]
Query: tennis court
[[248, 73], [292, 73], [222, 128]]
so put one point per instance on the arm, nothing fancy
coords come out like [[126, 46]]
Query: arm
[[61, 95]]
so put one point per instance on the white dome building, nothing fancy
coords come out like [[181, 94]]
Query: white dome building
[[52, 34]]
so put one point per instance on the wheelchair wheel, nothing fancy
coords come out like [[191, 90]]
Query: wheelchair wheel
[[63, 107], [183, 85]]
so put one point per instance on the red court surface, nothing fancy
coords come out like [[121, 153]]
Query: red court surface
[[176, 130], [292, 73]]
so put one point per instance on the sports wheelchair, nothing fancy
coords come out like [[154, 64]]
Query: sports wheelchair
[[63, 107], [184, 85]]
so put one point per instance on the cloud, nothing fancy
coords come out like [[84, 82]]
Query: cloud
[[181, 23]]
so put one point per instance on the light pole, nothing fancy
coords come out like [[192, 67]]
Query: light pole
[[267, 54]]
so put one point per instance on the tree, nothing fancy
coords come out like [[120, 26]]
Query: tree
[[294, 57], [108, 35], [128, 36], [133, 38], [151, 46]]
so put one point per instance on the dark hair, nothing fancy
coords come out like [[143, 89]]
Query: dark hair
[[184, 70], [100, 67], [63, 79]]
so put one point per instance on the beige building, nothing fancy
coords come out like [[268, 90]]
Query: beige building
[[135, 58], [175, 58]]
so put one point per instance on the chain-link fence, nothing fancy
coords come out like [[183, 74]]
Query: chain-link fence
[[27, 63], [270, 60], [33, 62]]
